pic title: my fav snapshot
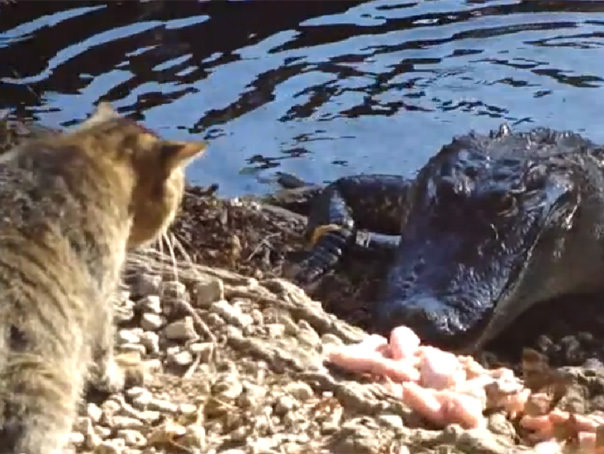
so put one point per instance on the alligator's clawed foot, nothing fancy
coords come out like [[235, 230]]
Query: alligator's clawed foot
[[328, 244]]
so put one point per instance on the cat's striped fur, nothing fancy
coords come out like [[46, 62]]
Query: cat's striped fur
[[71, 206]]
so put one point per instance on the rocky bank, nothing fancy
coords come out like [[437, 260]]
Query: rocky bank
[[235, 353]]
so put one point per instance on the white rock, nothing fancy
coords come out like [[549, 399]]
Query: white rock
[[150, 416], [126, 422], [140, 396], [151, 341], [208, 290], [77, 438], [275, 330], [128, 336], [187, 409], [132, 437], [112, 446], [102, 432], [300, 390], [153, 365], [147, 284], [231, 313], [151, 321], [182, 329], [94, 412], [150, 303], [183, 358], [163, 405], [136, 348]]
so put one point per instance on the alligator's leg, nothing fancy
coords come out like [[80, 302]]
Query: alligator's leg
[[375, 203]]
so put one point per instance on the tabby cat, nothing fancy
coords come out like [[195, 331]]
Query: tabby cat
[[71, 207]]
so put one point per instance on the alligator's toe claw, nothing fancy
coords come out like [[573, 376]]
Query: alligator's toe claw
[[319, 232]]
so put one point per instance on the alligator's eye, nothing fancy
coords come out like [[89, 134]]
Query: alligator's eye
[[446, 191], [535, 177], [505, 204], [501, 204]]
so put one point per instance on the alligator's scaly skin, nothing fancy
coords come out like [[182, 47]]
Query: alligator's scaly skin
[[490, 226]]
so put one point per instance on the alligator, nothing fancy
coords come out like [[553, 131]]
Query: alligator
[[491, 225]]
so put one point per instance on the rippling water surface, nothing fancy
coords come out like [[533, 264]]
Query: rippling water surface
[[319, 89]]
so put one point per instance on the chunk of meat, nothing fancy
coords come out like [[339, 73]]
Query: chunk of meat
[[446, 388], [403, 343], [439, 369], [368, 357], [443, 406]]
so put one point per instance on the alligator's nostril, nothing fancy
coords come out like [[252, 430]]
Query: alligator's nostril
[[425, 316], [418, 267]]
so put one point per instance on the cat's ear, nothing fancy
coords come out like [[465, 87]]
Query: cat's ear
[[103, 112], [179, 154]]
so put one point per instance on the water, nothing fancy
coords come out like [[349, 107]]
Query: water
[[318, 89]]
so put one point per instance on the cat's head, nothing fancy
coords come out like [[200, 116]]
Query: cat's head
[[157, 166]]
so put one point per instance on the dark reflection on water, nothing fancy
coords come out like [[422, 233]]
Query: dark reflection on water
[[320, 89]]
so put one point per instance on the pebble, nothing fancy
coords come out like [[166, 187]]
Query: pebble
[[208, 290], [285, 404], [94, 412], [132, 438], [275, 330], [150, 416], [150, 303], [252, 396], [187, 409], [151, 321], [228, 386], [257, 317], [136, 348], [300, 390], [123, 312], [231, 314], [151, 341], [129, 336], [307, 334], [183, 358], [153, 365], [163, 405], [146, 284], [331, 339], [391, 420], [102, 431], [77, 438], [215, 320], [113, 446], [126, 422], [140, 396], [110, 407], [173, 290], [498, 423], [182, 329]]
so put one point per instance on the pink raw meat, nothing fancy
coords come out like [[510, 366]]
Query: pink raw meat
[[439, 369], [444, 407], [403, 343]]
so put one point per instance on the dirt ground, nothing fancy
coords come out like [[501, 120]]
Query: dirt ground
[[236, 360]]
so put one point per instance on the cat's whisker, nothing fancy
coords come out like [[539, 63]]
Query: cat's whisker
[[172, 256], [176, 242]]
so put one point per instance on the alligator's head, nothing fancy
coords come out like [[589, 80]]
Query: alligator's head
[[471, 234]]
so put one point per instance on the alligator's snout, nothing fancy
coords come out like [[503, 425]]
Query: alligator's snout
[[423, 313]]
